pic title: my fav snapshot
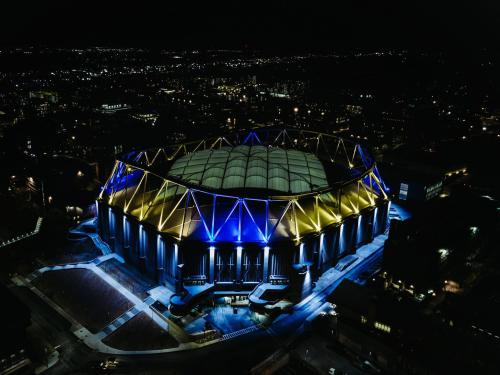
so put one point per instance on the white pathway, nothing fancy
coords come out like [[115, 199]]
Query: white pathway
[[94, 341], [98, 242]]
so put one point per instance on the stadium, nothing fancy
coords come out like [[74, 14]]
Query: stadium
[[263, 212]]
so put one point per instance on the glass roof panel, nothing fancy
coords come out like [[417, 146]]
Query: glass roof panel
[[255, 167]]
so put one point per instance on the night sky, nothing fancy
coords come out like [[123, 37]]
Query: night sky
[[273, 25]]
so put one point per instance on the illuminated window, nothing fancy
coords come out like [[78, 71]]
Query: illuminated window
[[433, 191], [383, 327], [403, 191], [443, 254], [363, 319]]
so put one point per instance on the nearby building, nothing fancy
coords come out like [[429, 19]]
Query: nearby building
[[268, 206], [413, 185], [400, 335]]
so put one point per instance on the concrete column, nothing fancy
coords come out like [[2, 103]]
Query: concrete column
[[342, 244], [321, 251], [160, 252], [179, 279], [265, 264], [111, 223], [359, 230], [375, 228], [301, 253], [143, 237], [175, 257], [211, 264], [239, 251]]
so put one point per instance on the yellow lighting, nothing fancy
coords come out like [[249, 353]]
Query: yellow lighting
[[383, 327]]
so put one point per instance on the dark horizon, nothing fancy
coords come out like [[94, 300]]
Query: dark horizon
[[279, 26]]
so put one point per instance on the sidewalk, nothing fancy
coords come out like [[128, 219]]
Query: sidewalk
[[326, 283], [94, 341]]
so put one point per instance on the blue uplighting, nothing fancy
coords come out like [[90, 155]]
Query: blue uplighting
[[123, 178]]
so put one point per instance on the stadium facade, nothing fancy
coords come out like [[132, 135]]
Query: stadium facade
[[244, 209]]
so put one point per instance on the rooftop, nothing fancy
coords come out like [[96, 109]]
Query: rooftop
[[252, 167]]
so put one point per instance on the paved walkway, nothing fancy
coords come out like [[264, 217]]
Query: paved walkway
[[98, 242], [94, 341], [309, 306]]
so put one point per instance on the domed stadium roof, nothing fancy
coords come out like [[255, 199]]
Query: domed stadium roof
[[252, 167], [258, 186]]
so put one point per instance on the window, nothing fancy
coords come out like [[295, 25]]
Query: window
[[403, 191], [383, 327], [433, 191], [363, 319]]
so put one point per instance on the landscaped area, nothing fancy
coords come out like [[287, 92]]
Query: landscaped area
[[84, 295], [140, 333]]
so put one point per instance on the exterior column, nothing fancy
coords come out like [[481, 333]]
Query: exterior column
[[265, 264], [321, 250], [179, 279], [342, 244], [387, 219], [176, 255], [239, 251], [211, 264], [359, 231], [160, 252]]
